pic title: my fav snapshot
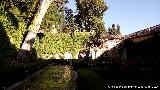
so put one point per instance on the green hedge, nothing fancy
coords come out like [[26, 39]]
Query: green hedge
[[90, 80], [11, 74], [53, 43], [15, 17]]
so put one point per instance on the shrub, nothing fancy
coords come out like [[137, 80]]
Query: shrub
[[15, 16], [53, 43]]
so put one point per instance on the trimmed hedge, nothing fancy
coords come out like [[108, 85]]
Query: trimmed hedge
[[11, 74], [53, 43], [90, 80]]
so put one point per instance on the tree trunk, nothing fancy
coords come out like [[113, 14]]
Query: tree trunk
[[33, 30]]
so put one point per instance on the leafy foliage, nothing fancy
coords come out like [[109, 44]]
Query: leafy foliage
[[90, 14], [60, 43], [70, 25], [114, 30], [15, 16], [52, 17]]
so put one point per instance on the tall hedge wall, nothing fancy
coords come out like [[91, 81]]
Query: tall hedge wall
[[15, 17], [53, 43]]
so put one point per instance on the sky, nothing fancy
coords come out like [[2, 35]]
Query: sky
[[131, 15]]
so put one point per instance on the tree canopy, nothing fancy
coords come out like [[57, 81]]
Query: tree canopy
[[114, 30], [20, 19], [90, 14]]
